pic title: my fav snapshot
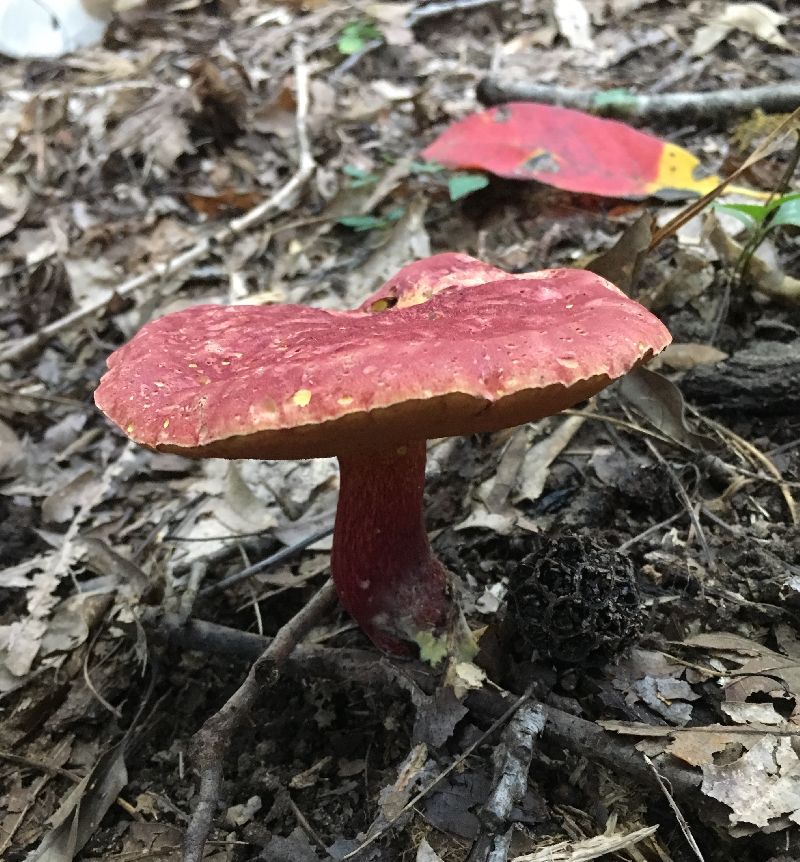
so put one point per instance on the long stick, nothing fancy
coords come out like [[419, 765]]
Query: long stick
[[781, 98]]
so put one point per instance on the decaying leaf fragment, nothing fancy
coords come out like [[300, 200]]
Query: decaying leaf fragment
[[83, 809], [759, 787], [756, 19]]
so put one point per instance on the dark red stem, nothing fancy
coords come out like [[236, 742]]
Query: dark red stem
[[385, 573]]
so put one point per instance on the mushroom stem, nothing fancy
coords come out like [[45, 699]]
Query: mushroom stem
[[383, 567]]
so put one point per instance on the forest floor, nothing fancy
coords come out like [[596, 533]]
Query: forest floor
[[118, 158]]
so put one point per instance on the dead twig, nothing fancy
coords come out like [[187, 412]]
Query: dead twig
[[446, 7], [687, 832], [634, 540], [780, 98], [747, 449], [268, 563], [211, 741], [304, 823], [512, 763], [589, 848], [203, 247]]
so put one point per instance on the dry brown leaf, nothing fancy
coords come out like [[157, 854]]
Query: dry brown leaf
[[698, 749], [725, 642], [682, 357], [761, 786], [158, 129], [83, 809], [426, 853], [535, 466], [15, 197], [411, 772], [661, 402], [60, 505], [741, 712]]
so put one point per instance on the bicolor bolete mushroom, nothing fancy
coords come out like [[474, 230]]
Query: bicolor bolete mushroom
[[449, 346]]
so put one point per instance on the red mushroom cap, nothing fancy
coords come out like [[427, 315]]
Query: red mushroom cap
[[299, 382], [421, 280]]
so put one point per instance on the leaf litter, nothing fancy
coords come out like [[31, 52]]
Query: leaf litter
[[118, 158]]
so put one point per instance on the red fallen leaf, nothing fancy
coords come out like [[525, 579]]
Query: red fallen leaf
[[571, 150]]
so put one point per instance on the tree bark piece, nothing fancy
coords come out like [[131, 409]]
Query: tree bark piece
[[512, 762], [761, 380], [781, 98]]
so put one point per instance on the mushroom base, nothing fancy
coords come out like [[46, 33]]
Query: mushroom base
[[385, 573]]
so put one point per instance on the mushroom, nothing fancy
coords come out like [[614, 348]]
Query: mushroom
[[449, 346]]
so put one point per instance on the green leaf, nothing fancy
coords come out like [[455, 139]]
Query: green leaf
[[359, 177], [370, 222], [463, 184], [425, 168], [355, 35], [361, 223], [394, 214], [787, 213], [749, 214]]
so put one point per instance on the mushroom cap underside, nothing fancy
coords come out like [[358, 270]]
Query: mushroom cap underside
[[300, 382]]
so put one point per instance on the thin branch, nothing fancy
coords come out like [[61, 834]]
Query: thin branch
[[780, 98], [757, 455], [203, 247], [687, 832], [446, 7], [211, 742], [267, 563]]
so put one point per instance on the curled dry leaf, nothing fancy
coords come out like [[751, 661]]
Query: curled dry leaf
[[660, 401]]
